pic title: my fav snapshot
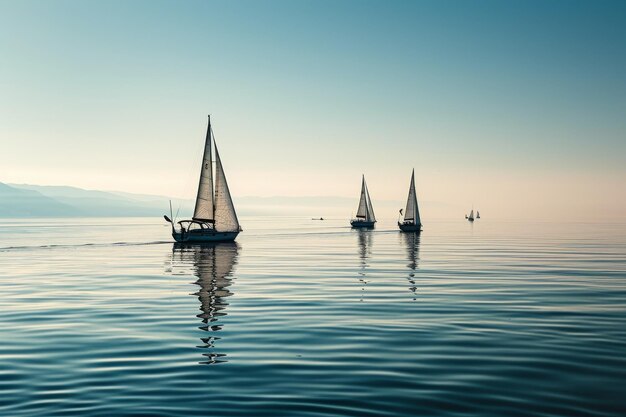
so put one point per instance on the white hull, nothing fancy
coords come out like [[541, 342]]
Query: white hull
[[204, 236]]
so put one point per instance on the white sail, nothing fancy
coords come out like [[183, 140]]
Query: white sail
[[361, 212], [204, 200], [225, 216], [370, 217], [411, 213]]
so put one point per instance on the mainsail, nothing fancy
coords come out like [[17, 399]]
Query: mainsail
[[365, 210], [204, 200], [225, 216], [361, 212], [412, 212]]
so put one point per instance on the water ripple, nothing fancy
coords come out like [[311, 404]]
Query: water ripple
[[303, 318]]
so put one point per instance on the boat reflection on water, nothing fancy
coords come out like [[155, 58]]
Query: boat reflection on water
[[213, 265], [412, 243], [365, 252]]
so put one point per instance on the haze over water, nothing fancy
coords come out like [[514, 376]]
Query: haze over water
[[310, 318]]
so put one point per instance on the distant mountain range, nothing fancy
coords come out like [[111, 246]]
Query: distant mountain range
[[18, 202], [23, 200]]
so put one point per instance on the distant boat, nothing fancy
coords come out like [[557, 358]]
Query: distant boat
[[365, 213], [214, 218], [471, 216], [412, 222], [477, 214]]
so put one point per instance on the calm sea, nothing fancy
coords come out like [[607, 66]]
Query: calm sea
[[102, 317]]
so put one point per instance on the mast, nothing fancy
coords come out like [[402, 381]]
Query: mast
[[205, 208]]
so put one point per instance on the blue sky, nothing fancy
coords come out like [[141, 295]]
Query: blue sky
[[516, 106]]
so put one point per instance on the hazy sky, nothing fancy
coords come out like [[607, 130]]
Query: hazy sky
[[516, 107]]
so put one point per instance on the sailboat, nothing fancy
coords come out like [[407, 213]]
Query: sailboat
[[471, 216], [412, 222], [365, 213], [477, 214], [214, 217]]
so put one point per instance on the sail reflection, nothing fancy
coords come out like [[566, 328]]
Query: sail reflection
[[213, 266], [412, 243], [365, 252]]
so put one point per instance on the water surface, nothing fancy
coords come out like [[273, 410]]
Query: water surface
[[310, 318]]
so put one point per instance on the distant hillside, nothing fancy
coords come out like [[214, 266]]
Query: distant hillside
[[23, 200], [16, 202]]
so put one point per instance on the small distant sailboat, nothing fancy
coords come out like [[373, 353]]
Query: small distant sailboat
[[471, 216], [365, 213], [412, 222], [214, 218], [477, 214]]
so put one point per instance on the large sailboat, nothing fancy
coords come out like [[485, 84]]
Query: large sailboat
[[471, 216], [411, 222], [365, 213], [214, 218]]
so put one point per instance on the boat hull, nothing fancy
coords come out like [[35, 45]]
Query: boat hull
[[204, 236], [362, 224], [410, 227]]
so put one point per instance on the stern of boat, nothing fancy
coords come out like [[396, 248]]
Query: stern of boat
[[191, 237], [362, 224], [413, 228]]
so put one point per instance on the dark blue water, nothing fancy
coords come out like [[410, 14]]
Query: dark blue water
[[309, 318]]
